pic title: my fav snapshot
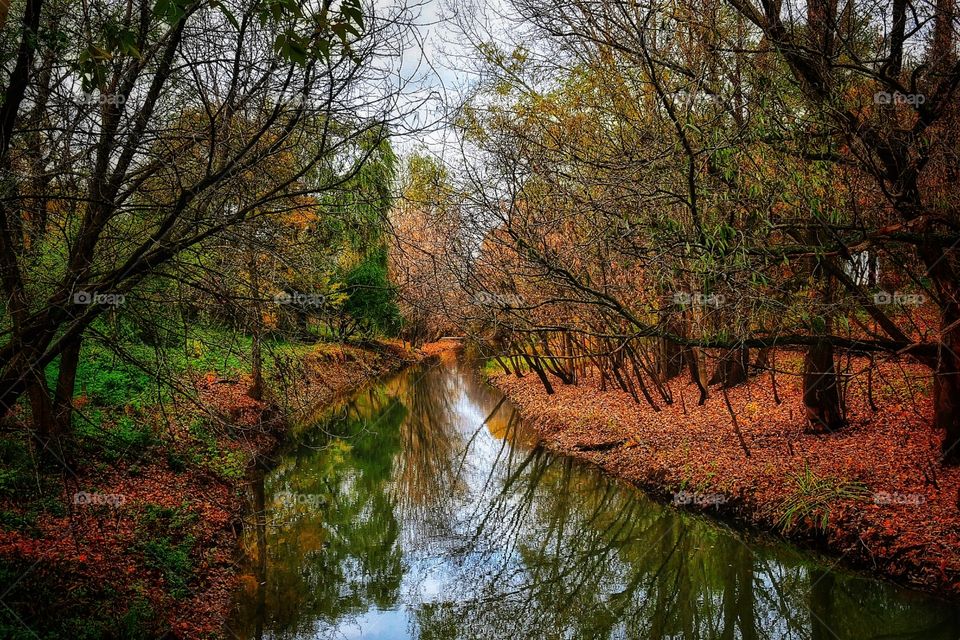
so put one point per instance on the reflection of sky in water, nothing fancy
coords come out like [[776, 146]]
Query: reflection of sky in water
[[439, 528], [432, 571], [374, 624]]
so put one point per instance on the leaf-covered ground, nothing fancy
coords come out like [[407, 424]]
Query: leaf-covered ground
[[141, 540], [888, 505]]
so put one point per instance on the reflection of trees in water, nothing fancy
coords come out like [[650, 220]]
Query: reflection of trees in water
[[560, 552], [333, 550], [522, 544], [435, 455], [426, 485], [503, 422]]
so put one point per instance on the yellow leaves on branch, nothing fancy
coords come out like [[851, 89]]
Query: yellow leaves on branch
[[303, 213]]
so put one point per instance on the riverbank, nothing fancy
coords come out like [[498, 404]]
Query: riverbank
[[138, 537], [873, 495]]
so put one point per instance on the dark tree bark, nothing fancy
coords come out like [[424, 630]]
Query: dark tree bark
[[697, 372], [732, 368], [946, 386], [66, 382], [670, 354], [537, 369], [256, 364], [821, 394]]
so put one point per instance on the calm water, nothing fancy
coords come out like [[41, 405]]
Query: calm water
[[401, 514]]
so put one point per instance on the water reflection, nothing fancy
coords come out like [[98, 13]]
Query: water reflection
[[421, 508]]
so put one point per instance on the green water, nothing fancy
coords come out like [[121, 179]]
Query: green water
[[402, 514]]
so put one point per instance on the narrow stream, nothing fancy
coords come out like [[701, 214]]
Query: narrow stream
[[401, 514]]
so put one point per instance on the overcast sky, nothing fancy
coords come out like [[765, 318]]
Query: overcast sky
[[439, 63]]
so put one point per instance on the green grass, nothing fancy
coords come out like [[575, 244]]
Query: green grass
[[812, 497], [159, 519], [139, 617], [492, 368], [124, 373], [112, 423], [102, 433]]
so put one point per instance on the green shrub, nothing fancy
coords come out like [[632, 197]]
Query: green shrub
[[371, 297], [37, 600], [225, 463], [175, 461]]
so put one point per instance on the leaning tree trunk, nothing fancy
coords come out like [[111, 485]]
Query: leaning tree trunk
[[821, 393], [537, 369], [698, 372]]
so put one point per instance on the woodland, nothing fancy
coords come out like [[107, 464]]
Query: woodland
[[703, 234]]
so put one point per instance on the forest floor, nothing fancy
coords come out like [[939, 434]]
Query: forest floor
[[138, 539], [872, 494]]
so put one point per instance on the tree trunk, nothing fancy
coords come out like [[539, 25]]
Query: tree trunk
[[256, 357], [763, 360], [66, 383], [946, 385], [698, 370], [44, 417], [256, 366], [942, 51], [41, 411], [537, 369], [670, 354], [821, 394], [671, 359], [946, 368], [732, 368]]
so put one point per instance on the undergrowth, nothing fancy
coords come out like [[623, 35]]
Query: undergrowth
[[812, 496]]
